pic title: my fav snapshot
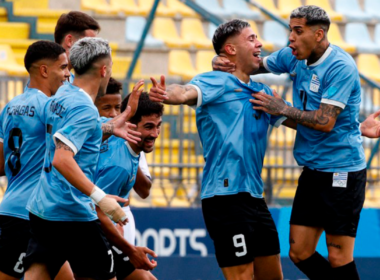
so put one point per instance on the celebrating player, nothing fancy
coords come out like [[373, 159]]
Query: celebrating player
[[109, 107], [117, 172], [331, 189], [234, 142], [61, 206], [22, 148]]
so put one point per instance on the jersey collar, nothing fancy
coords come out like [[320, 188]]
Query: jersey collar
[[131, 150], [89, 97], [322, 58]]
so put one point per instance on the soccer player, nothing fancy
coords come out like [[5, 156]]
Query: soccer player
[[63, 219], [331, 189], [117, 172], [234, 141], [71, 27], [109, 107], [22, 137]]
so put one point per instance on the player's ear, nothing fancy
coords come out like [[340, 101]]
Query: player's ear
[[319, 35], [68, 40], [103, 71], [230, 49], [43, 71]]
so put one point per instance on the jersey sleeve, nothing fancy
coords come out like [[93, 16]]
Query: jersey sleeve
[[111, 179], [144, 165], [209, 88], [81, 122], [282, 61], [339, 85], [104, 119]]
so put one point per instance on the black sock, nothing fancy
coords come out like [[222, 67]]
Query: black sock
[[315, 267], [345, 272]]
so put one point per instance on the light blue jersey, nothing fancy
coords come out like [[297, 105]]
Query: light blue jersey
[[71, 117], [117, 167], [333, 79], [233, 135], [22, 131]]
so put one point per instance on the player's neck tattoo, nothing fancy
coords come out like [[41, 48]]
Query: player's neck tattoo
[[107, 128]]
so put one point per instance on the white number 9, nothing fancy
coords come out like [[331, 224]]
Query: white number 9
[[239, 241]]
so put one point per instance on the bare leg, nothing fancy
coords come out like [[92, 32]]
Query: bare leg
[[4, 276], [268, 268], [140, 274], [37, 271], [341, 249], [239, 272], [65, 273], [303, 242]]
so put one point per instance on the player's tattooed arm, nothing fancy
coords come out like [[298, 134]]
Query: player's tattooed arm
[[60, 145], [108, 128], [322, 119], [173, 94]]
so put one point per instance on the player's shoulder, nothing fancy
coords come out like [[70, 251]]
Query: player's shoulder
[[341, 58], [212, 77]]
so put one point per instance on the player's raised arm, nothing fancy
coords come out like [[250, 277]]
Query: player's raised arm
[[119, 125], [322, 119], [173, 94], [221, 63]]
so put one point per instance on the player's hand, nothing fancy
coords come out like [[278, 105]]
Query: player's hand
[[109, 206], [273, 105], [138, 257], [124, 129], [158, 92], [119, 199], [133, 101], [220, 63], [371, 127]]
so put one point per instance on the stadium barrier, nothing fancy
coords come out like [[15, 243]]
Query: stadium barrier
[[186, 252]]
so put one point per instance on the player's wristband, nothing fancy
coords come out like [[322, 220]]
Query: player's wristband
[[97, 194]]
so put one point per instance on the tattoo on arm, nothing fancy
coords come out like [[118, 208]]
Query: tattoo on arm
[[331, 244], [179, 94], [61, 145], [291, 241], [107, 128], [321, 116]]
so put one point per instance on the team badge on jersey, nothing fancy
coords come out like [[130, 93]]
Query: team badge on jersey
[[314, 84], [340, 180]]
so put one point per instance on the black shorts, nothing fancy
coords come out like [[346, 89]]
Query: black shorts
[[82, 244], [14, 239], [241, 227], [318, 203], [123, 266]]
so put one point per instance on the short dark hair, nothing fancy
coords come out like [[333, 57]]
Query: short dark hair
[[314, 15], [42, 50], [146, 107], [74, 22], [226, 30], [113, 87]]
